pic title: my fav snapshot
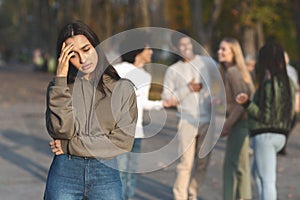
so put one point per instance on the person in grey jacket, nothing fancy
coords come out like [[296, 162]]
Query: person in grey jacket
[[91, 115], [236, 166]]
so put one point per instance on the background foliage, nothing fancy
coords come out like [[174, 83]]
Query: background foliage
[[29, 24]]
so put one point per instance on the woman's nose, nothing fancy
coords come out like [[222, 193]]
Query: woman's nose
[[82, 57]]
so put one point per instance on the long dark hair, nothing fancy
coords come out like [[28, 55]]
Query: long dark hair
[[103, 66], [134, 43], [271, 66]]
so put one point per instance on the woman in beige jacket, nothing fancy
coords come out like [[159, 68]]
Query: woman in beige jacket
[[91, 115], [236, 171]]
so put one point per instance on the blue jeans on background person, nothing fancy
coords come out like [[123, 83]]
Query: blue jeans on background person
[[265, 148], [128, 164], [77, 178]]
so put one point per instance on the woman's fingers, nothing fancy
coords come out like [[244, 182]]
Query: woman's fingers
[[52, 144], [59, 152], [57, 143], [56, 147], [63, 60], [65, 52]]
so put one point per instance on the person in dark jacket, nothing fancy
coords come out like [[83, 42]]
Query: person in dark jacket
[[271, 114]]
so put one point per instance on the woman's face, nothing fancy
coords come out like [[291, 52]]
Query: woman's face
[[225, 54], [146, 55], [85, 57]]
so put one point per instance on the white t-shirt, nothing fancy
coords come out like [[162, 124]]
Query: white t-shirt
[[293, 75], [142, 81], [193, 106]]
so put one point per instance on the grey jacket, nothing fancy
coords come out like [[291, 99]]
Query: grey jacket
[[234, 84], [88, 123]]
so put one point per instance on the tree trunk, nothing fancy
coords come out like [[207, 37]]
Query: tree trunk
[[87, 8], [260, 35], [130, 14], [204, 33], [248, 40], [157, 9], [213, 21], [197, 20], [145, 13], [108, 18]]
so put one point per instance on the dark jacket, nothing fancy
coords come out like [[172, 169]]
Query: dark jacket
[[272, 119]]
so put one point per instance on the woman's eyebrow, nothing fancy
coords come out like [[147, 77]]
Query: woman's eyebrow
[[85, 46]]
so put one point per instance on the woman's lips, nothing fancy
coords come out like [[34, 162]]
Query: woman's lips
[[85, 67]]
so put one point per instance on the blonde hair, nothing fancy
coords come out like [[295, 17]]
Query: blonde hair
[[238, 60]]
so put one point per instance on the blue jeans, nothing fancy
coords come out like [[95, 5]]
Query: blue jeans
[[127, 164], [77, 178], [265, 148]]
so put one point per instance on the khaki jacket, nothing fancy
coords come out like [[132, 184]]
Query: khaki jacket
[[116, 116], [234, 85]]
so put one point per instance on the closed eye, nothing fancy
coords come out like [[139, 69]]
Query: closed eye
[[86, 47]]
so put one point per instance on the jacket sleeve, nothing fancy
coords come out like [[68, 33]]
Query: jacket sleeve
[[238, 85], [255, 112], [144, 97], [60, 121], [117, 141]]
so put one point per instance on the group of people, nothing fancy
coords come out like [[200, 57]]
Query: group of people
[[38, 60], [42, 61], [95, 116]]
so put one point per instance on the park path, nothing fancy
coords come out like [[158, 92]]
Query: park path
[[25, 155]]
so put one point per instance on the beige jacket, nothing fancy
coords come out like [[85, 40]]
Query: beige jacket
[[89, 124], [234, 84]]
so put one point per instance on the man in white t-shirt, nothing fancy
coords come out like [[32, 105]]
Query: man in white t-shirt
[[189, 81]]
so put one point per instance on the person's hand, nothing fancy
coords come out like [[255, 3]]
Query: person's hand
[[216, 101], [194, 87], [225, 132], [170, 103], [241, 98], [63, 60], [55, 146]]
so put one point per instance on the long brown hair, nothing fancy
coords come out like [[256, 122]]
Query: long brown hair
[[238, 60]]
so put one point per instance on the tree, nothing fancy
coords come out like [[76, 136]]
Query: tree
[[296, 18], [177, 14], [204, 26]]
